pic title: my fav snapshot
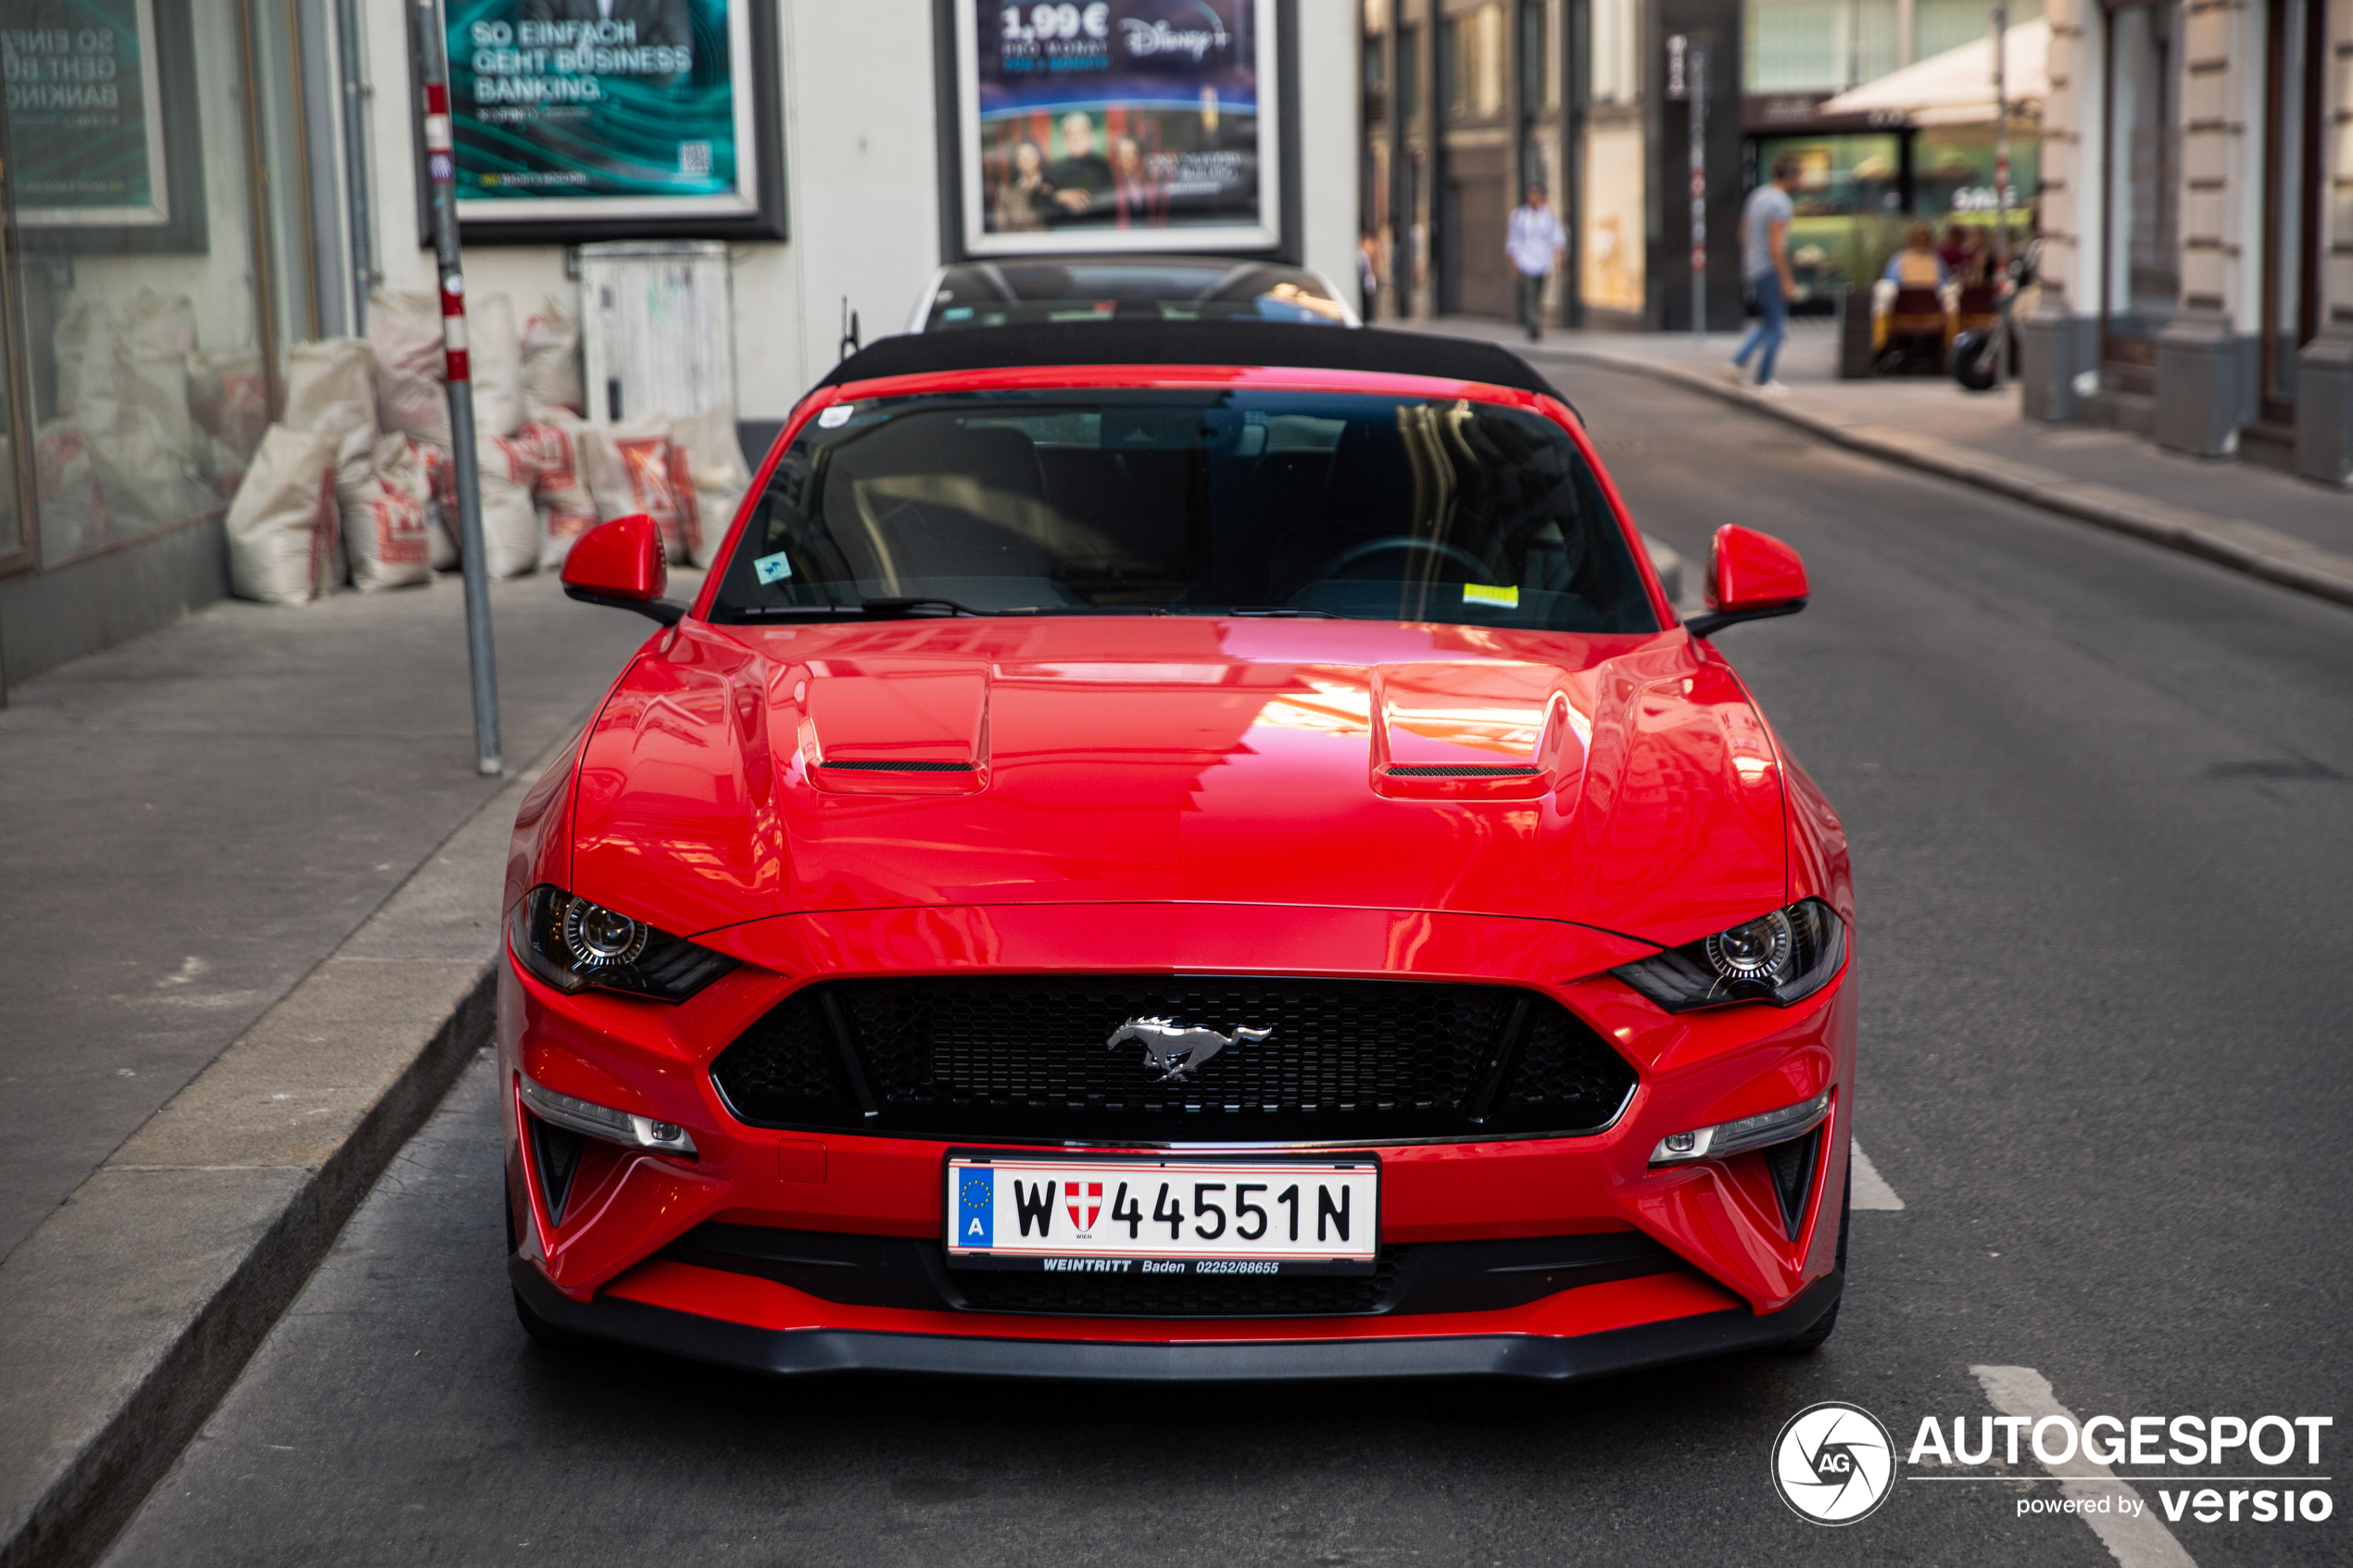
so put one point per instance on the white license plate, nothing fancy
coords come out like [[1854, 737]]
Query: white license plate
[[1175, 1217]]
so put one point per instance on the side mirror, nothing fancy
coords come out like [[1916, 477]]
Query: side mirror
[[1751, 576], [620, 563]]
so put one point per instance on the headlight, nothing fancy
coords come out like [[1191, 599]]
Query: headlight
[[572, 944], [1780, 958]]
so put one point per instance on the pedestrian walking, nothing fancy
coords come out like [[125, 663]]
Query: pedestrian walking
[[1368, 274], [1534, 240], [1764, 242]]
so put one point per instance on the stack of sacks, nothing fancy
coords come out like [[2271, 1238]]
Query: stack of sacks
[[406, 329], [126, 451]]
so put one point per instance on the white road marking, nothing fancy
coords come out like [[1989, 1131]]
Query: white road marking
[[1872, 1190], [2137, 1539]]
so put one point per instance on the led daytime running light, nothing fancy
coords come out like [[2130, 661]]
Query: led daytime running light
[[1750, 1131], [603, 1122]]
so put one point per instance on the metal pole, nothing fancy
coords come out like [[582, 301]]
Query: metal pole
[[355, 162], [441, 158], [1699, 193], [2001, 191]]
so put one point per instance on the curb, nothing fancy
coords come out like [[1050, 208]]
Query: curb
[[132, 1310], [2247, 548]]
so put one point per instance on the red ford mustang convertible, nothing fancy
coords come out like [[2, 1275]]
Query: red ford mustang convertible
[[1179, 851]]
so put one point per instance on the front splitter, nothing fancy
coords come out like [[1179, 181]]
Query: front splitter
[[1542, 1357]]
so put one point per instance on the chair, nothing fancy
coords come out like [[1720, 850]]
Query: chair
[[1918, 332]]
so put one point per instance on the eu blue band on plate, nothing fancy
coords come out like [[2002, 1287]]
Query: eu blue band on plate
[[976, 1207]]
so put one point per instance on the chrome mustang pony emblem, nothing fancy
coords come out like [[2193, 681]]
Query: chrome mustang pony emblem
[[1176, 1051]]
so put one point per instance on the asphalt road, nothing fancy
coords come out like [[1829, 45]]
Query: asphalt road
[[2102, 805]]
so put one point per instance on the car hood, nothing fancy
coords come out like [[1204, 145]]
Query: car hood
[[1623, 783]]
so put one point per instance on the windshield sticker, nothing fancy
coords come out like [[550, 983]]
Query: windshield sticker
[[837, 416], [775, 567], [1482, 593]]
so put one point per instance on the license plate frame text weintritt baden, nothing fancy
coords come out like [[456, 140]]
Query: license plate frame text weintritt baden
[[1172, 1217]]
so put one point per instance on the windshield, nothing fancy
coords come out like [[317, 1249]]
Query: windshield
[[1210, 502]]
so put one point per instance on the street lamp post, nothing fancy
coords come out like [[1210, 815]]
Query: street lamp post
[[441, 157]]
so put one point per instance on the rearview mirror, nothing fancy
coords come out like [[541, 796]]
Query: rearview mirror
[[620, 563], [1751, 576]]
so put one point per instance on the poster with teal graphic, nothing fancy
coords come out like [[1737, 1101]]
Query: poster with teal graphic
[[85, 131], [1118, 125], [619, 110]]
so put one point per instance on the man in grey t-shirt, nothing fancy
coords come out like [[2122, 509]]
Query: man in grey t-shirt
[[1763, 238]]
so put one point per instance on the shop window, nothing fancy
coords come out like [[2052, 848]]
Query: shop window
[[2141, 284], [1409, 74], [1536, 72], [142, 337]]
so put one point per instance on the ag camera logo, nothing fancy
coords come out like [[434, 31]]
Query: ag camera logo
[[1833, 1463]]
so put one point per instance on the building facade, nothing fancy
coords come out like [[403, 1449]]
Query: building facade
[[196, 187], [2198, 227]]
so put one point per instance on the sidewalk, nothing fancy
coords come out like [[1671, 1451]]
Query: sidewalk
[[255, 881], [2251, 519]]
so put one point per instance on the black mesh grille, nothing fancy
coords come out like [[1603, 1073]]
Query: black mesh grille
[[889, 767], [1028, 1057], [1181, 1296], [1460, 769]]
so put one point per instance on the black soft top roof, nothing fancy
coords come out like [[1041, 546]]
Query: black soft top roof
[[1193, 343]]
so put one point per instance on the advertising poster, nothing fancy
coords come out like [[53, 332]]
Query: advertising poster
[[85, 130], [619, 110], [1118, 125]]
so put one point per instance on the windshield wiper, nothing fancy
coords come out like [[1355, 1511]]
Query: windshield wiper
[[1283, 609], [903, 607]]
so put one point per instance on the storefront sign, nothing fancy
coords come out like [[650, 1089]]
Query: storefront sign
[[1118, 125], [85, 128], [608, 112]]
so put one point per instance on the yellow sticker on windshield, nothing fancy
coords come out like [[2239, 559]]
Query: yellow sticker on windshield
[[1483, 593]]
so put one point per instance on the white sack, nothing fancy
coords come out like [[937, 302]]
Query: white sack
[[281, 526], [441, 513], [73, 510], [404, 328], [495, 350], [330, 391], [714, 463], [83, 341], [634, 467], [384, 529], [509, 522], [551, 364], [567, 510]]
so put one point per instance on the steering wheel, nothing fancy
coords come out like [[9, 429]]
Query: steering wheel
[[1356, 553]]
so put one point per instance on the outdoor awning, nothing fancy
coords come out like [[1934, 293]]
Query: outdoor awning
[[1956, 87]]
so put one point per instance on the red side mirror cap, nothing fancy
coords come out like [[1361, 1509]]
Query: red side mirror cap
[[620, 563], [1750, 576]]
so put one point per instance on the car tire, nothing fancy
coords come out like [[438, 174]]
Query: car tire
[[1812, 1338]]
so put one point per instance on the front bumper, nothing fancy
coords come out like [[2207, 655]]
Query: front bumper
[[1552, 1358]]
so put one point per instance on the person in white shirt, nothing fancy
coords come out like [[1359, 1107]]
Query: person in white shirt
[[1534, 240]]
